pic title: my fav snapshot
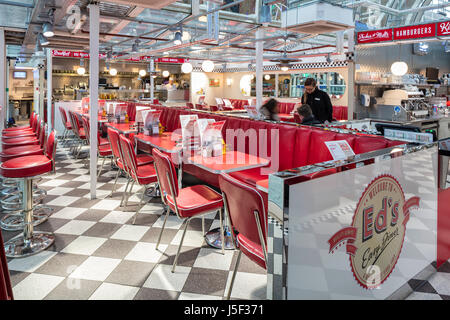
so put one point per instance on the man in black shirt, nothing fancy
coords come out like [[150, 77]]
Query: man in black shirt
[[318, 100]]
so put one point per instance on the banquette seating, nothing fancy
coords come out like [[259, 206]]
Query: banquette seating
[[294, 146]]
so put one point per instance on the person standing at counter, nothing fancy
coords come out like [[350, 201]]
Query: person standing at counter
[[270, 110], [318, 100]]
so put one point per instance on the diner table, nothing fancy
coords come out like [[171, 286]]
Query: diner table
[[263, 185], [229, 162], [123, 128]]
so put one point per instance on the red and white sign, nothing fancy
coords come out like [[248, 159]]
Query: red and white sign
[[443, 28], [415, 32], [375, 238], [375, 36], [172, 60]]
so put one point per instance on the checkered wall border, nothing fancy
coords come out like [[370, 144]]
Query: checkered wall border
[[300, 66]]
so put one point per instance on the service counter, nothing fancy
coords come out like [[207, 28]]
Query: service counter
[[361, 233]]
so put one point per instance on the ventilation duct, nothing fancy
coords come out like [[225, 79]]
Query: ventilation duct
[[318, 18], [152, 4]]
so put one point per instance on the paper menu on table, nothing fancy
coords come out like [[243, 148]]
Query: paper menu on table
[[212, 139], [201, 127], [139, 113], [340, 149], [252, 111], [151, 118], [189, 135]]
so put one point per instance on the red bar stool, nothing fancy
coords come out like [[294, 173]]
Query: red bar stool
[[187, 203], [248, 220], [11, 199], [15, 141], [26, 169], [144, 175], [11, 202], [29, 127]]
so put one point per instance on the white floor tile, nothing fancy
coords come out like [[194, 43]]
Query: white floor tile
[[248, 286], [130, 232], [63, 201], [191, 239], [84, 245], [36, 286], [76, 227], [95, 268], [214, 259], [173, 222], [85, 177], [109, 291], [195, 296], [31, 263], [69, 213], [59, 191], [118, 217], [53, 183], [162, 278], [423, 296], [87, 186], [146, 252], [81, 172], [101, 194], [441, 282], [106, 204]]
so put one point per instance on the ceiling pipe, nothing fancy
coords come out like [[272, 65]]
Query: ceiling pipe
[[396, 11], [17, 4]]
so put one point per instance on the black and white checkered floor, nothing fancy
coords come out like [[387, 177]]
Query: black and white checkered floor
[[99, 254]]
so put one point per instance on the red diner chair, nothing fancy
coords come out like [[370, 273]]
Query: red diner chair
[[80, 133], [247, 215], [188, 202], [66, 123], [6, 292], [189, 105], [28, 168], [142, 159], [144, 175], [103, 150], [214, 108]]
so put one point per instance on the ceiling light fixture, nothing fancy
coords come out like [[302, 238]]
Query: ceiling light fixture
[[267, 77], [208, 66], [43, 40], [113, 71], [166, 73], [177, 38], [142, 72], [186, 67], [203, 19], [81, 71], [399, 68], [47, 30]]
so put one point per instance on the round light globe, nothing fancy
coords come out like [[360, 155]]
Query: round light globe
[[399, 68], [113, 71], [81, 71], [166, 73], [208, 66], [142, 72], [186, 67]]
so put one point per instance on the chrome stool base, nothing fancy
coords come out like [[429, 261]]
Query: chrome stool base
[[15, 221], [214, 239], [13, 202], [18, 247]]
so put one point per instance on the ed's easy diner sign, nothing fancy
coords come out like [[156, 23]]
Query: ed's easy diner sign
[[374, 241], [404, 33]]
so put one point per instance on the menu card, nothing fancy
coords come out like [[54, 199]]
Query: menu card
[[189, 135], [139, 110], [212, 140], [340, 149], [252, 112], [151, 121], [227, 102]]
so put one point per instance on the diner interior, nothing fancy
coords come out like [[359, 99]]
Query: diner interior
[[136, 163]]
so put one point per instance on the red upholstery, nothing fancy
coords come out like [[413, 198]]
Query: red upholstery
[[104, 150], [143, 159], [28, 127], [242, 201], [21, 151], [195, 200], [144, 174], [28, 166], [367, 144], [340, 112], [6, 292]]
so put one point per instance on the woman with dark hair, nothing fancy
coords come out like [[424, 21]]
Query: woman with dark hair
[[270, 110], [318, 100]]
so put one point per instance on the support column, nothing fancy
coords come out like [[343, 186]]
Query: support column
[[3, 105], [36, 91], [351, 73], [276, 85], [152, 80], [94, 26], [50, 112], [41, 92], [259, 68]]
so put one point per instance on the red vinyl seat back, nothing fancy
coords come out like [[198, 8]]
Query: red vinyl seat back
[[165, 170], [6, 292], [86, 127], [50, 148], [113, 136], [318, 151], [365, 144], [189, 105], [63, 116], [129, 156], [242, 201]]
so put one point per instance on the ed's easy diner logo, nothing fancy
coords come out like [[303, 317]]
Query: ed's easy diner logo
[[375, 238]]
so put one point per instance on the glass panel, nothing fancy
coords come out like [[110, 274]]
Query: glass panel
[[330, 82], [284, 84]]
